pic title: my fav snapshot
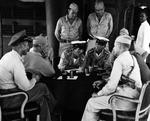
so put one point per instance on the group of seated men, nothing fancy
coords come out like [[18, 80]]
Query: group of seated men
[[15, 64], [120, 62]]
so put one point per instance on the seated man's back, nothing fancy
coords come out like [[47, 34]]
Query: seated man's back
[[35, 60]]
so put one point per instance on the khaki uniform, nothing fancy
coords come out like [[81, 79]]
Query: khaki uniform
[[94, 59]]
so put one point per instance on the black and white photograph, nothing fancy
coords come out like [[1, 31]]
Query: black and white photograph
[[74, 60]]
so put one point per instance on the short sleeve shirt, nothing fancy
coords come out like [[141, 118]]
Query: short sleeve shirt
[[68, 31], [103, 27]]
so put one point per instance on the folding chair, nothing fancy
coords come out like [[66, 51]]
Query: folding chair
[[140, 112], [19, 113]]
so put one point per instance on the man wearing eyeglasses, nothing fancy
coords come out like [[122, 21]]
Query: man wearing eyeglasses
[[68, 28]]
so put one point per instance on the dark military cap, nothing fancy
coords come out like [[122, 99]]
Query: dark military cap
[[19, 37], [101, 40]]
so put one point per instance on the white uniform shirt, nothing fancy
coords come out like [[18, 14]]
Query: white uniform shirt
[[122, 65], [143, 36], [12, 73]]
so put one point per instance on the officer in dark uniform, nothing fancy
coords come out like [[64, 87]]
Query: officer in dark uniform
[[97, 57]]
